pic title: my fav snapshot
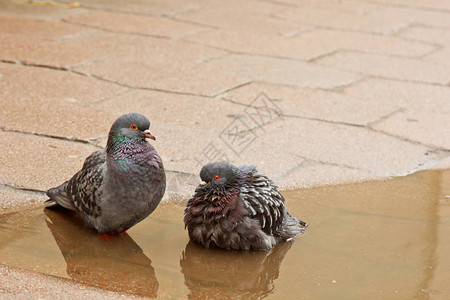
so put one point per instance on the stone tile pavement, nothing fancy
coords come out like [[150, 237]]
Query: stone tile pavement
[[312, 92]]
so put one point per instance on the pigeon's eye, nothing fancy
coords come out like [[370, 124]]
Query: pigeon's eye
[[133, 126], [216, 177]]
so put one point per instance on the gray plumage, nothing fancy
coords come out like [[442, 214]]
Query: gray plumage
[[238, 208], [119, 186]]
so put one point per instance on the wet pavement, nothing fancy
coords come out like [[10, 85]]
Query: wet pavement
[[314, 93], [388, 239]]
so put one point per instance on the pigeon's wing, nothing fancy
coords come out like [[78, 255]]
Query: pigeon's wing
[[85, 186], [96, 158], [263, 201], [83, 189], [247, 169]]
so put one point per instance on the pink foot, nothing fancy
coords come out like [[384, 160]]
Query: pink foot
[[106, 237]]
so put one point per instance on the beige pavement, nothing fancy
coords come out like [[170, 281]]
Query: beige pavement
[[312, 92]]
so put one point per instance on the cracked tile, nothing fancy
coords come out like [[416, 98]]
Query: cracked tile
[[140, 24], [315, 104], [38, 162], [435, 4], [257, 43], [155, 7], [311, 174], [342, 145], [426, 34], [29, 83], [252, 16], [282, 71], [174, 66], [442, 164], [390, 67], [429, 128], [11, 198], [441, 56], [414, 96], [353, 7], [344, 21], [53, 102], [25, 28], [308, 45], [415, 16]]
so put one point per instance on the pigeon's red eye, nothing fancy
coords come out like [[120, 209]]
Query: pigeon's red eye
[[133, 126], [216, 177]]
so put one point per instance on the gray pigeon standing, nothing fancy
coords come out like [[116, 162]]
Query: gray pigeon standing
[[119, 186], [238, 208]]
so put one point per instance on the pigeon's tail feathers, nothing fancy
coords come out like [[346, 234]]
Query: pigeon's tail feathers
[[291, 227], [60, 196]]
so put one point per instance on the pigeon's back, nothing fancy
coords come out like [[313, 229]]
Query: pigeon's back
[[261, 198]]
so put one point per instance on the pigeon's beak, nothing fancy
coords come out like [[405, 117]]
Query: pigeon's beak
[[200, 186], [149, 135]]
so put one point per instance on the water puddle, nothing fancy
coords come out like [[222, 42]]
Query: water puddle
[[388, 239]]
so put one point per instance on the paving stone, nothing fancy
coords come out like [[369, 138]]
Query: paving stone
[[308, 45], [166, 65], [427, 34], [429, 128], [250, 7], [155, 7], [27, 9], [386, 20], [346, 146], [282, 71], [339, 20], [21, 27], [62, 53], [95, 46], [442, 164], [390, 67], [311, 174], [415, 16], [183, 77], [412, 96], [150, 62], [29, 83], [12, 199], [252, 16], [436, 4], [141, 24], [368, 43], [53, 102], [354, 7], [39, 163], [315, 104], [59, 118], [424, 109], [259, 44], [35, 41], [441, 56]]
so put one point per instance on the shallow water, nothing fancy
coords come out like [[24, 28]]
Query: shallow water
[[379, 240]]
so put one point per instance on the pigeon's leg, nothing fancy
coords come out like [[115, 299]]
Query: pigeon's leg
[[106, 237]]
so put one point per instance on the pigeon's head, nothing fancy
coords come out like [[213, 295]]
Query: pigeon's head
[[133, 126], [219, 176]]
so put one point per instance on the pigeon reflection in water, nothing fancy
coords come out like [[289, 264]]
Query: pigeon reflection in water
[[117, 264], [212, 272]]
